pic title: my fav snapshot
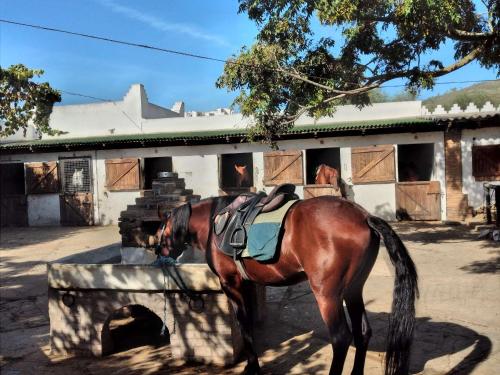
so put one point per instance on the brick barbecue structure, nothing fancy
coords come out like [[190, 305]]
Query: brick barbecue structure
[[140, 220]]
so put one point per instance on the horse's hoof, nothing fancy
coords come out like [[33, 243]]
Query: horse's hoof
[[251, 369]]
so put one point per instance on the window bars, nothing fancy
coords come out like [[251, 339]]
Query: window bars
[[76, 175]]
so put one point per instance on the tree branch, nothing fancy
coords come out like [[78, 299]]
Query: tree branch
[[290, 119], [380, 79], [373, 83], [320, 85], [472, 55], [471, 36]]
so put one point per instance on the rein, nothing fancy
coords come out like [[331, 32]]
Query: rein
[[196, 302]]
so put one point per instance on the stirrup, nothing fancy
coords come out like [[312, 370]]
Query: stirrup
[[236, 242]]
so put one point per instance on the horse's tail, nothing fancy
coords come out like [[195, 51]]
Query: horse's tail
[[402, 318]]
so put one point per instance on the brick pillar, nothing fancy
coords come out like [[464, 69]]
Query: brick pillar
[[456, 200]]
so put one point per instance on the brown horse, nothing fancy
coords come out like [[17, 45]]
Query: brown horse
[[327, 175], [242, 175], [331, 242]]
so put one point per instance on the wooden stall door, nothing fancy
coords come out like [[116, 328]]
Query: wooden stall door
[[311, 191], [373, 164], [123, 174], [42, 178], [486, 162], [283, 167], [13, 201], [420, 200], [13, 210], [236, 191], [76, 200], [77, 209]]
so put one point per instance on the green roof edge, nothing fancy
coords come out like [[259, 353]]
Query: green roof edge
[[214, 134]]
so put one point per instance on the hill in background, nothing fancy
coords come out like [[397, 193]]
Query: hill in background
[[478, 94]]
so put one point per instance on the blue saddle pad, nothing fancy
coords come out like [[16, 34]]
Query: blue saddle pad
[[262, 240], [263, 234]]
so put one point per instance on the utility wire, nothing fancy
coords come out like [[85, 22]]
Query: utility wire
[[106, 101], [111, 40], [84, 96], [187, 54]]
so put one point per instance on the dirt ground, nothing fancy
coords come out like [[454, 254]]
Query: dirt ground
[[458, 313]]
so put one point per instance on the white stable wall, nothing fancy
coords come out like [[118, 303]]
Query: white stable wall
[[479, 137], [43, 209], [198, 165], [124, 116]]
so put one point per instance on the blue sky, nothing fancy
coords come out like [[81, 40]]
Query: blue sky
[[105, 70]]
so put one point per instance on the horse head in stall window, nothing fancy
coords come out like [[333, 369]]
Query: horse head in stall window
[[326, 175], [242, 176]]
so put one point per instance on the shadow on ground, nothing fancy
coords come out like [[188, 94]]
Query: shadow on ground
[[12, 238], [491, 265], [433, 339], [434, 232], [293, 334]]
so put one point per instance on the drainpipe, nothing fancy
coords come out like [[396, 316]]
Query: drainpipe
[[96, 214]]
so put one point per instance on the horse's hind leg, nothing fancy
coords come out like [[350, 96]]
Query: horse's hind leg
[[332, 312], [360, 329]]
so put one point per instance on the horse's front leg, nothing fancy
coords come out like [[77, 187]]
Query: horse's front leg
[[240, 298]]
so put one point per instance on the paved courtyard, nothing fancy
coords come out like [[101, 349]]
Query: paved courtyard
[[458, 314]]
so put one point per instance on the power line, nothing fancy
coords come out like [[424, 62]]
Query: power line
[[106, 101], [188, 54], [181, 53], [84, 96], [111, 40]]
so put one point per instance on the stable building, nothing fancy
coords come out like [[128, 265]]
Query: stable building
[[398, 160]]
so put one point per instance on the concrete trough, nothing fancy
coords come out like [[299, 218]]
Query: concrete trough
[[86, 289]]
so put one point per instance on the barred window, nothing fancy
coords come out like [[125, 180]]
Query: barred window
[[76, 175]]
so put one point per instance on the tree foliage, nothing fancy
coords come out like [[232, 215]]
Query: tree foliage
[[24, 102], [290, 70]]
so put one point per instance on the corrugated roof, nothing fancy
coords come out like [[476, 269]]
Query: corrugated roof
[[212, 136], [463, 116]]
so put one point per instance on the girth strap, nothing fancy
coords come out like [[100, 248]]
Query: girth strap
[[241, 269]]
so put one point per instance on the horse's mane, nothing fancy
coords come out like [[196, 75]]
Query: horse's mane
[[182, 214], [180, 226]]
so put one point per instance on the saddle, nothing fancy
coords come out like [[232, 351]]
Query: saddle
[[232, 223]]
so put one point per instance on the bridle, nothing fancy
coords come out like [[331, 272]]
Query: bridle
[[161, 243], [196, 302], [168, 242]]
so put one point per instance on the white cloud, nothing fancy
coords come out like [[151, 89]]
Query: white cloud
[[162, 25]]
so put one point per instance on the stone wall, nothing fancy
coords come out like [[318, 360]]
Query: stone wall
[[205, 332], [84, 296]]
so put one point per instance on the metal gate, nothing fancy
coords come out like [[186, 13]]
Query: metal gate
[[76, 200]]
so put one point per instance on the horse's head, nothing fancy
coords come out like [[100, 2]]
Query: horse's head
[[173, 235], [327, 175], [321, 175], [240, 169]]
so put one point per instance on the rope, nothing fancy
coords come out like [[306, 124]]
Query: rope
[[162, 261], [166, 264]]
